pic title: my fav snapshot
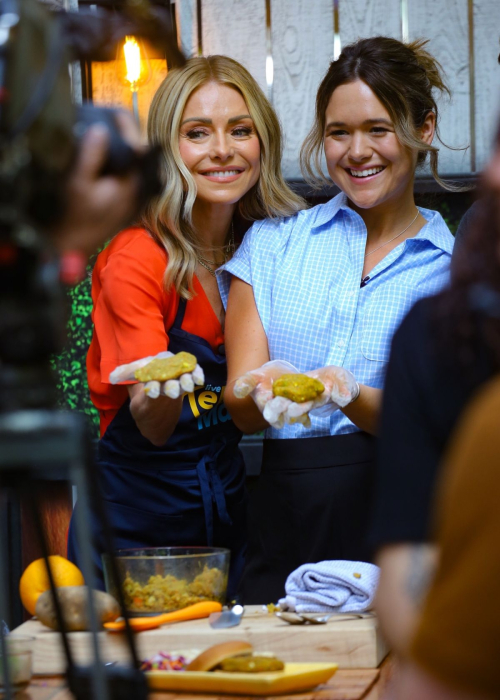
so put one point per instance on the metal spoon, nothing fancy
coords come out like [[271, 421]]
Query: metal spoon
[[227, 618], [294, 618], [291, 617], [315, 618]]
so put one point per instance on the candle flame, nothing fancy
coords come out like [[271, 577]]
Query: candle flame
[[132, 53]]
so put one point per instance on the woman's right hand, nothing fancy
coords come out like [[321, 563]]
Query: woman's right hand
[[156, 419], [259, 385], [172, 388]]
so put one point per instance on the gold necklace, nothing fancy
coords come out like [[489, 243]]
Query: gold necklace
[[228, 250], [207, 267], [394, 238]]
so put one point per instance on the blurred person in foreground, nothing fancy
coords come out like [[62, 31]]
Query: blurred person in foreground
[[97, 206], [454, 654], [445, 350]]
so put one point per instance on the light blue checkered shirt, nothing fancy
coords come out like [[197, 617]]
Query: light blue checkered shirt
[[305, 272]]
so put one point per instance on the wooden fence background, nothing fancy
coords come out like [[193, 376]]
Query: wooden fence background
[[301, 37]]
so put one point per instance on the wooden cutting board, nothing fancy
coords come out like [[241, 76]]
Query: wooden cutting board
[[349, 643], [345, 685]]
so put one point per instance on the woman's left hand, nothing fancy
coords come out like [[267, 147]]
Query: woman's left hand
[[341, 388]]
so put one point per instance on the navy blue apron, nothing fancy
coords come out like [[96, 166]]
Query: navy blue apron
[[188, 492]]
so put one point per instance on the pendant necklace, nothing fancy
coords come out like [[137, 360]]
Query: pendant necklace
[[394, 237]]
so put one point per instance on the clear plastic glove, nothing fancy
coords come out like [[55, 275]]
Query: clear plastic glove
[[172, 388], [259, 385], [341, 388]]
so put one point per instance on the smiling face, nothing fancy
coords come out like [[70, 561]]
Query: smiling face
[[363, 155], [219, 144]]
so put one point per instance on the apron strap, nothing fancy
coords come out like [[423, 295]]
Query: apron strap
[[212, 492], [179, 316]]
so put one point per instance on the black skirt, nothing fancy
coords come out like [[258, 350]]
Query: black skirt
[[311, 503]]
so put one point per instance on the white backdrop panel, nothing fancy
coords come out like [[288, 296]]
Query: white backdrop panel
[[187, 27], [445, 24], [237, 29], [364, 18], [487, 75], [302, 47]]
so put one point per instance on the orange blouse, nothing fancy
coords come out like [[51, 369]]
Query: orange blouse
[[132, 314]]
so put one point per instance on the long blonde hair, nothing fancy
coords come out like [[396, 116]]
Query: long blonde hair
[[169, 216]]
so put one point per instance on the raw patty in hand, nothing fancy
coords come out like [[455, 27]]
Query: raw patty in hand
[[298, 387], [168, 368]]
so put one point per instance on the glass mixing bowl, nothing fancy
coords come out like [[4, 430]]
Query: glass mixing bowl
[[163, 579]]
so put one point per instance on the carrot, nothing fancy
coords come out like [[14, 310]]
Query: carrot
[[191, 612]]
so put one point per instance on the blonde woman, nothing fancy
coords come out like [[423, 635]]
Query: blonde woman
[[170, 467]]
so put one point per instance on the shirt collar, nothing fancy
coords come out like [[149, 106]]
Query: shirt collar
[[326, 212], [435, 231]]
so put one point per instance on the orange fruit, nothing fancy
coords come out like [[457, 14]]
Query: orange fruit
[[35, 579]]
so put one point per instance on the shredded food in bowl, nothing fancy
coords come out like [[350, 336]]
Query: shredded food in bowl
[[165, 593]]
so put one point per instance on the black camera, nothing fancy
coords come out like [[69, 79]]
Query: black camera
[[40, 134]]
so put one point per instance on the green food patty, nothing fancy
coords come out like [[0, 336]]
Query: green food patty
[[168, 368], [298, 387]]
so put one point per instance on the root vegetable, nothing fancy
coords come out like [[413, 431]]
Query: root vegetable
[[74, 604]]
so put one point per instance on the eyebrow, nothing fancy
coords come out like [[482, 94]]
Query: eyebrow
[[367, 122], [202, 120]]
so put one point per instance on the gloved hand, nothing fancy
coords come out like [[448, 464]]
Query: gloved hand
[[340, 389], [172, 388], [259, 385]]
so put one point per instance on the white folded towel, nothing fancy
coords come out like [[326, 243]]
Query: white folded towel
[[331, 586]]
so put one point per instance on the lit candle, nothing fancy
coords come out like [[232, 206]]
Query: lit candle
[[132, 54]]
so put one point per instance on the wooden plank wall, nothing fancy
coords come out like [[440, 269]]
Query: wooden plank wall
[[445, 24], [486, 21], [464, 35], [302, 48]]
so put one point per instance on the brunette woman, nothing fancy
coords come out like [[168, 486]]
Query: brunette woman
[[170, 467], [325, 290]]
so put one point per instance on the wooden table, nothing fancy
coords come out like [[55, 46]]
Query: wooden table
[[351, 643], [355, 644], [346, 684]]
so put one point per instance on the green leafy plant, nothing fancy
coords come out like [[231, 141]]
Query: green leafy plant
[[72, 387]]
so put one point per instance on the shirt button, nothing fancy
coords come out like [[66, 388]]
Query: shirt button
[[341, 343]]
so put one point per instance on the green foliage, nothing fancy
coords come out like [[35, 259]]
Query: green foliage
[[451, 221], [73, 391]]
